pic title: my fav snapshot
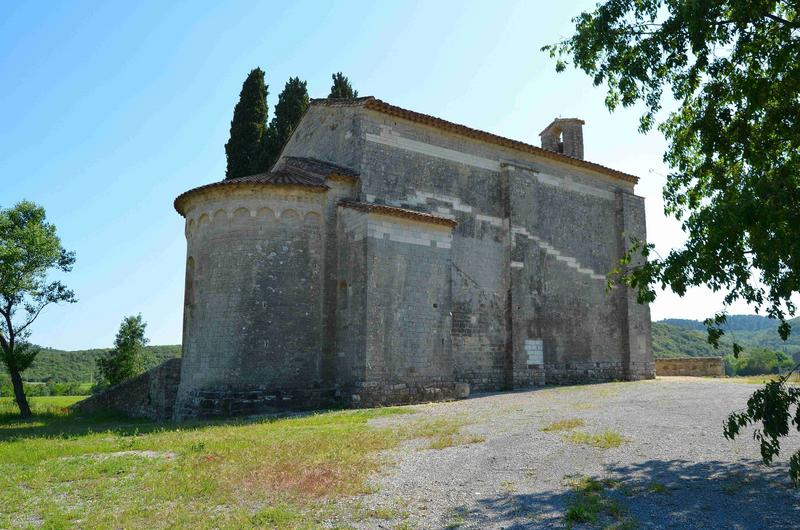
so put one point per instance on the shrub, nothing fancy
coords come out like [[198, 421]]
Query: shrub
[[758, 361]]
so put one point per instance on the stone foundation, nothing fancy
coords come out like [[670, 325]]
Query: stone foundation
[[243, 401], [691, 366], [597, 372], [150, 395], [379, 394], [153, 394]]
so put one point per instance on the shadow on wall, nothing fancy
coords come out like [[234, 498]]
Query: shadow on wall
[[663, 494]]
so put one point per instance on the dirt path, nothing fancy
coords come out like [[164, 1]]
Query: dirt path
[[672, 467]]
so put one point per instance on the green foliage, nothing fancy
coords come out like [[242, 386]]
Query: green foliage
[[292, 104], [341, 88], [683, 338], [129, 356], [734, 323], [80, 366], [29, 250], [733, 67], [776, 407], [50, 388], [244, 149], [758, 361], [672, 341]]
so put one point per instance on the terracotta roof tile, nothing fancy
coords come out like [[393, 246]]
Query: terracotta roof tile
[[397, 212], [281, 177]]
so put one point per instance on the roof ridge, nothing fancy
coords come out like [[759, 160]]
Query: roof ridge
[[342, 102]]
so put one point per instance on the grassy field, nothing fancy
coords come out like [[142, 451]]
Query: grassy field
[[69, 471], [62, 470], [761, 379], [49, 406]]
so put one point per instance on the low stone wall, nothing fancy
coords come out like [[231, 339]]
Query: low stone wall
[[597, 372], [691, 366], [151, 395]]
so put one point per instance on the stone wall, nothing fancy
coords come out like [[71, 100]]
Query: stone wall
[[395, 300], [534, 241], [253, 309], [151, 395], [691, 366], [408, 301]]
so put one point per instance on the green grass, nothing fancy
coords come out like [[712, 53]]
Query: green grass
[[589, 504], [564, 425], [603, 440], [735, 483], [65, 470], [441, 433], [761, 379], [657, 487], [47, 406], [508, 486], [385, 513]]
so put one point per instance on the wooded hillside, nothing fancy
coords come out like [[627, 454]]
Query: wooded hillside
[[687, 338], [79, 366]]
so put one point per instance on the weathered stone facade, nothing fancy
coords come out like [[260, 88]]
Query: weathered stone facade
[[392, 257]]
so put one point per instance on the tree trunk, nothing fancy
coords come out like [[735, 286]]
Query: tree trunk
[[19, 394]]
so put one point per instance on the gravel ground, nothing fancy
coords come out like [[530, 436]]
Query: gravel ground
[[675, 470]]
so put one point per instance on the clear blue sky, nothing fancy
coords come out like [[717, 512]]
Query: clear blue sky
[[108, 110]]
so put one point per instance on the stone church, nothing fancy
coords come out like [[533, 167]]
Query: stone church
[[391, 257]]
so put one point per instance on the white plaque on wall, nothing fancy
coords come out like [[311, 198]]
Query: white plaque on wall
[[535, 350]]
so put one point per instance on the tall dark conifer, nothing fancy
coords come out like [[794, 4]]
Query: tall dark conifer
[[292, 104], [342, 89], [248, 126]]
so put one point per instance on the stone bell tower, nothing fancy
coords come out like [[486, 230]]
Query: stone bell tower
[[565, 136]]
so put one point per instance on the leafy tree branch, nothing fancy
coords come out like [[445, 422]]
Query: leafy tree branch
[[733, 69], [29, 250]]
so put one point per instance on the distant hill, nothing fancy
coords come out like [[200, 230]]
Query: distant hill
[[734, 323], [79, 366], [674, 341], [677, 337]]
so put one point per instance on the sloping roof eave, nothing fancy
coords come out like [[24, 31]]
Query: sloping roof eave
[[396, 211], [180, 200]]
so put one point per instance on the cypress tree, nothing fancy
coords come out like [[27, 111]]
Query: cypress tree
[[244, 148], [292, 104], [342, 88]]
